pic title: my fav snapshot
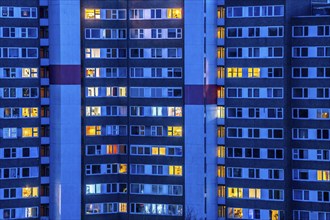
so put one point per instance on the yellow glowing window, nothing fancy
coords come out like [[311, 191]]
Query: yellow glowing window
[[253, 72], [221, 32], [221, 12], [234, 72], [26, 72], [221, 191], [162, 151], [174, 131], [154, 150], [174, 13], [178, 111], [122, 207], [274, 215], [112, 149], [92, 72], [93, 130], [323, 175], [235, 192], [123, 168], [221, 52], [175, 170], [254, 193], [221, 151], [92, 14], [237, 212], [30, 192], [221, 92], [221, 131], [30, 132], [30, 112], [221, 72], [221, 171], [221, 112], [122, 91]]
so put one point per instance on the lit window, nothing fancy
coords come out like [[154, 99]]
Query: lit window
[[235, 192], [221, 191], [175, 170], [273, 214], [30, 192], [122, 91], [235, 212], [221, 52], [234, 72], [155, 151], [254, 193], [174, 13], [323, 175], [221, 171], [174, 131], [221, 151], [122, 207], [220, 111], [30, 132], [112, 149], [29, 112], [123, 168], [92, 14], [221, 32], [93, 130], [162, 151], [253, 72]]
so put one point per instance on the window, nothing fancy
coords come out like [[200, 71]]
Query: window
[[254, 193], [9, 133], [137, 130], [28, 192], [174, 13], [175, 131], [235, 192], [175, 170], [30, 132], [93, 130]]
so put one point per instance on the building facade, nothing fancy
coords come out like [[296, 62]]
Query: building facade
[[164, 109]]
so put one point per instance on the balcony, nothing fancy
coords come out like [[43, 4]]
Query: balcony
[[44, 180], [221, 101], [221, 201], [43, 2], [221, 180], [44, 199], [43, 21], [44, 121], [221, 161], [221, 22], [45, 140], [44, 101], [220, 121], [221, 41], [220, 81], [220, 61], [221, 141], [44, 81], [44, 42], [44, 160], [44, 61]]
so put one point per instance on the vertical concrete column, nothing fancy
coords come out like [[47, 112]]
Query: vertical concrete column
[[65, 105], [211, 108], [194, 146], [200, 109]]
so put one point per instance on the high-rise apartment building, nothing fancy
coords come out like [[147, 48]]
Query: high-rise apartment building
[[277, 143], [153, 109]]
